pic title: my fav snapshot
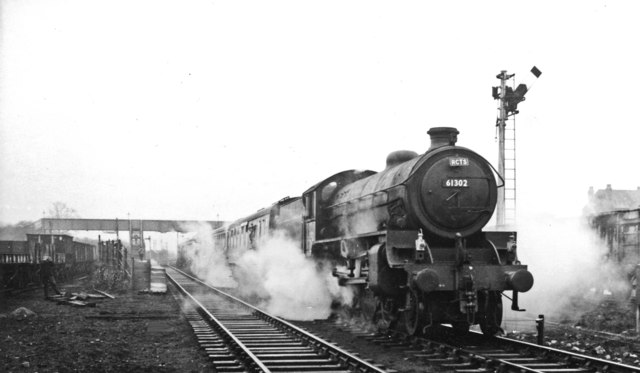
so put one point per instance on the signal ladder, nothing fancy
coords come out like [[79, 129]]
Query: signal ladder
[[510, 171]]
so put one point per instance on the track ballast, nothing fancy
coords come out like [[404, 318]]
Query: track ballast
[[239, 337]]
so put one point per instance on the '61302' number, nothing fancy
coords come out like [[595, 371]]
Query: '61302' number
[[455, 183]]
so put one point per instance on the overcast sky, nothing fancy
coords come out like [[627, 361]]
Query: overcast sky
[[204, 109]]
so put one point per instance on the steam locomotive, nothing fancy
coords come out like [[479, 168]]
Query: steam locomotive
[[408, 240]]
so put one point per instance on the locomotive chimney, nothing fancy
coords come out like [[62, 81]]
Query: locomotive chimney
[[442, 136]]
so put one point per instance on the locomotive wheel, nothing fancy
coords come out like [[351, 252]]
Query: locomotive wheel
[[414, 313], [491, 317], [385, 315]]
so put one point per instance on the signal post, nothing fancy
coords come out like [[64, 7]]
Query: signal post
[[509, 99]]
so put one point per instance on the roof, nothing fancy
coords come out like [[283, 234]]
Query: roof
[[608, 199], [263, 211]]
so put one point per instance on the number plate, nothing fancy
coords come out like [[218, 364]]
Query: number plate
[[458, 161], [455, 183]]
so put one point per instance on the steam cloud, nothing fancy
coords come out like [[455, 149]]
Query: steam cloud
[[564, 255], [566, 258], [277, 275], [289, 284], [207, 262]]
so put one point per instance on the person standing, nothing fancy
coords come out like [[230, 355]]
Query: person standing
[[47, 275]]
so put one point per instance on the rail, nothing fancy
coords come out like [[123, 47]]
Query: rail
[[265, 342]]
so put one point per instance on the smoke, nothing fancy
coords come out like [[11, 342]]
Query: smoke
[[364, 223], [288, 283], [277, 275], [206, 260], [566, 258]]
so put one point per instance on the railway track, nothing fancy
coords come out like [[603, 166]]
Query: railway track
[[474, 353], [240, 338]]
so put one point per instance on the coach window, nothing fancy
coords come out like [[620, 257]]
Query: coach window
[[233, 238], [243, 230]]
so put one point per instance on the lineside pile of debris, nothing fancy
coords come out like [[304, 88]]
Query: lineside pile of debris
[[89, 330]]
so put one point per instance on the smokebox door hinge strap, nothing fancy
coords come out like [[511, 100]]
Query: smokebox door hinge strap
[[497, 173]]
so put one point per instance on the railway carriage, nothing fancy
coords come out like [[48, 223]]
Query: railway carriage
[[20, 260], [284, 216]]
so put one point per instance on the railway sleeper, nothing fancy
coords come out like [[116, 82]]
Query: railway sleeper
[[287, 356], [275, 337], [502, 356], [238, 368], [223, 362], [217, 350], [341, 370], [307, 368], [212, 342], [208, 337], [255, 330], [545, 365], [524, 360], [437, 355], [444, 360], [222, 357], [567, 370], [298, 362], [229, 318], [254, 323], [481, 350], [215, 347], [276, 350], [272, 344], [460, 365]]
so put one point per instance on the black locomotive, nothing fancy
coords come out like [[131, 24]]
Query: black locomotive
[[408, 239]]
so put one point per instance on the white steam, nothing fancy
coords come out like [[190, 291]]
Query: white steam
[[277, 275], [207, 261], [288, 283], [566, 258]]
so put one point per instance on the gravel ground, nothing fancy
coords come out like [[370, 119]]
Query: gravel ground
[[606, 330], [602, 332], [132, 333], [146, 333], [584, 341], [396, 358]]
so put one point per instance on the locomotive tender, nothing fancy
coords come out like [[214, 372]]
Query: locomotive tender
[[408, 240]]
